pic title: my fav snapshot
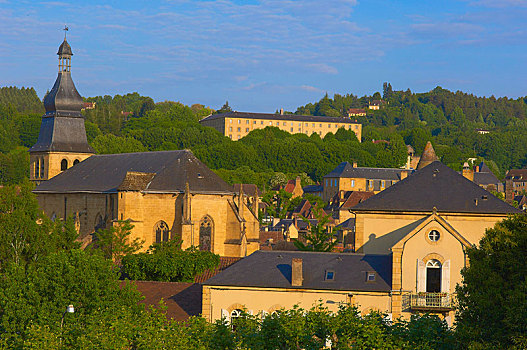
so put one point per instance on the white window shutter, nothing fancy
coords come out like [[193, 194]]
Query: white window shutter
[[421, 276], [445, 277], [225, 314]]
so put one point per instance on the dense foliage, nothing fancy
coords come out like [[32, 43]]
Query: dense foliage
[[493, 296], [167, 262]]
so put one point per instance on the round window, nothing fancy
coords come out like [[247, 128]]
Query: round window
[[434, 235]]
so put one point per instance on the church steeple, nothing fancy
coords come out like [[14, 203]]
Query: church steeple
[[62, 139]]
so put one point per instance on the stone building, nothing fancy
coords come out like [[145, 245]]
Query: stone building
[[236, 125], [410, 242], [165, 195]]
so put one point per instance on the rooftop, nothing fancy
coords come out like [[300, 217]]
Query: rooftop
[[345, 169], [272, 269], [272, 116]]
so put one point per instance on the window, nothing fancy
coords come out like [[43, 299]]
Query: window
[[230, 136], [330, 275], [370, 276], [299, 129], [239, 121], [270, 123], [313, 125], [75, 162], [320, 125], [63, 165], [277, 123], [261, 122], [291, 129], [161, 232], [239, 129], [327, 183], [205, 233], [329, 125], [307, 124], [433, 276], [246, 129], [285, 123], [247, 121], [230, 120], [37, 167], [352, 183], [382, 183], [230, 128], [434, 235]]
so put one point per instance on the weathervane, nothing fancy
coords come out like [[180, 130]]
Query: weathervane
[[65, 30]]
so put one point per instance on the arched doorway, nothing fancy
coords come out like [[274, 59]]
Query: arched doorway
[[161, 232], [206, 227], [433, 276]]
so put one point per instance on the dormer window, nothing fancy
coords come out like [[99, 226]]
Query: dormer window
[[330, 275], [370, 276]]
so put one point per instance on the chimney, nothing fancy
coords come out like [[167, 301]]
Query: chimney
[[281, 111], [468, 172], [509, 190], [354, 164], [296, 272], [298, 182]]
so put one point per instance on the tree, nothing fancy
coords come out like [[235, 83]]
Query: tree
[[167, 262], [115, 242], [224, 109], [320, 238], [492, 299], [26, 234]]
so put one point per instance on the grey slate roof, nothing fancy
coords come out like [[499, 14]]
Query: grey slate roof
[[105, 173], [271, 116], [272, 269], [313, 188], [436, 185], [345, 169], [347, 225]]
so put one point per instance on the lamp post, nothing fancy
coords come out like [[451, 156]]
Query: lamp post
[[69, 310]]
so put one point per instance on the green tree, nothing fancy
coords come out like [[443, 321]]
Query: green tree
[[320, 237], [115, 242], [224, 109], [492, 298]]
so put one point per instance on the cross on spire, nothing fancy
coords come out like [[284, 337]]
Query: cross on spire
[[65, 30]]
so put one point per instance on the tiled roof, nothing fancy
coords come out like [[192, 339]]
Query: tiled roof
[[272, 269], [436, 186], [225, 261], [290, 186], [356, 197], [517, 175], [105, 173], [289, 117], [347, 225], [248, 189], [345, 169], [182, 300]]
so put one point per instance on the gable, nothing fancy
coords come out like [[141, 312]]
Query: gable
[[436, 187]]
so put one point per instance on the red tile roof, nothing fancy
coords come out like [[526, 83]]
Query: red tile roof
[[225, 261], [355, 198], [290, 187], [182, 300]]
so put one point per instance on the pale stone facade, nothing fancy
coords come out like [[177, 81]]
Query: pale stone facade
[[236, 125]]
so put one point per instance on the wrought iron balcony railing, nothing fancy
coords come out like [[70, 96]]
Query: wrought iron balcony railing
[[431, 302]]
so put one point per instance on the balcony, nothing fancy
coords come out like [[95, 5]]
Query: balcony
[[431, 302]]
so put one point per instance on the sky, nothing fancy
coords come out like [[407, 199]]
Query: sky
[[263, 55]]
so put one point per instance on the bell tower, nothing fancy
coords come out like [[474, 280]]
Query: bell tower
[[62, 141]]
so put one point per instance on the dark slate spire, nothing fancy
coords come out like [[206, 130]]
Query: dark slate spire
[[62, 127]]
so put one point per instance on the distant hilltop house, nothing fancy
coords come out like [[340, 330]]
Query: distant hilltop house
[[376, 104], [236, 125], [482, 131], [356, 112], [88, 105], [165, 195], [515, 183], [482, 176]]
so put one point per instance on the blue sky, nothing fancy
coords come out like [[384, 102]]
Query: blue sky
[[263, 55]]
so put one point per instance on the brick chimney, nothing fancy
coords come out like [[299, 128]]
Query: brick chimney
[[509, 191], [468, 172], [296, 272]]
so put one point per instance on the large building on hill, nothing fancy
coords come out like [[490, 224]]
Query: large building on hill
[[236, 125], [165, 195], [410, 244]]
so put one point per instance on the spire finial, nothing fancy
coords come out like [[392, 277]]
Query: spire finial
[[65, 30]]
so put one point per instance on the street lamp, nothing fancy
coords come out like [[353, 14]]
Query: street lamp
[[69, 309]]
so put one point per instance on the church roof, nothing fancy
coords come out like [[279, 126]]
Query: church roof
[[163, 172], [272, 269], [436, 186], [346, 170]]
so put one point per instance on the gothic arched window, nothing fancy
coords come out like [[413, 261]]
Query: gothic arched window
[[63, 165], [161, 232], [205, 233], [99, 222], [37, 167], [41, 167]]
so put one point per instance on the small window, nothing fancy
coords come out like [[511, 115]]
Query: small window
[[291, 129], [277, 123], [75, 162], [239, 129], [63, 165], [254, 122], [285, 124], [230, 136], [434, 235], [230, 120], [370, 276], [330, 275], [320, 125], [313, 125], [239, 121], [352, 183], [300, 129], [261, 122], [247, 121], [230, 128], [246, 129]]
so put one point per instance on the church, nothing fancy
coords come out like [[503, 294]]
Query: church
[[165, 195]]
